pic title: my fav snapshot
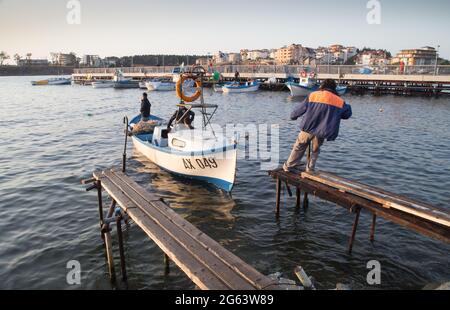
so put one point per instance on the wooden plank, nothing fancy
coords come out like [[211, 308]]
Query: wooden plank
[[194, 269], [245, 270], [388, 200], [190, 265], [346, 200], [212, 262]]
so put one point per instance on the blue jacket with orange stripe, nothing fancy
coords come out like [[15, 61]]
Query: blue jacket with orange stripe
[[322, 112]]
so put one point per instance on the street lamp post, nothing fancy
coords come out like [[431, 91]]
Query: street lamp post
[[436, 62]]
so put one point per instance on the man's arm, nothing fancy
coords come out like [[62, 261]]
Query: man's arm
[[347, 113], [300, 109], [142, 106]]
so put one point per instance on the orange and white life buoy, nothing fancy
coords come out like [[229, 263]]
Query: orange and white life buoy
[[195, 96], [303, 74]]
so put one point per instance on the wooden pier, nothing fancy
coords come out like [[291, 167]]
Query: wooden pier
[[356, 197], [423, 80], [203, 260]]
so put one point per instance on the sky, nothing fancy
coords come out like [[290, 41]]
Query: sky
[[135, 27]]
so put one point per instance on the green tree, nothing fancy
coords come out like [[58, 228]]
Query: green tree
[[29, 58], [17, 58], [3, 56]]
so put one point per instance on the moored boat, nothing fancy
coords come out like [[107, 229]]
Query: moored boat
[[160, 85], [201, 154], [241, 88], [198, 154], [103, 84], [53, 81], [308, 85]]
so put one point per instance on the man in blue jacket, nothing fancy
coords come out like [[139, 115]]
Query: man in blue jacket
[[322, 112]]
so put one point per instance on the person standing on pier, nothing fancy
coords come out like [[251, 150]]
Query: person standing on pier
[[145, 108], [322, 112], [236, 76]]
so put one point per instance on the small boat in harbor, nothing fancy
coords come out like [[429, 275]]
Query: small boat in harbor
[[121, 82], [53, 81], [160, 85], [200, 154], [103, 84], [241, 88], [142, 84], [308, 85]]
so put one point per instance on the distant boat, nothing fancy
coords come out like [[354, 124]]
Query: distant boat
[[142, 84], [53, 81], [103, 84], [121, 82], [160, 85], [308, 85], [241, 88], [218, 88]]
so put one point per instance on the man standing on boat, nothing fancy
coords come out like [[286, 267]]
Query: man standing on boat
[[322, 112], [182, 116], [145, 108]]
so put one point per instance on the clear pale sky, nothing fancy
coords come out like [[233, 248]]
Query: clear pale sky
[[132, 27]]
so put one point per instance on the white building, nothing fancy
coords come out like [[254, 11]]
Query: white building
[[258, 54], [234, 58], [220, 57]]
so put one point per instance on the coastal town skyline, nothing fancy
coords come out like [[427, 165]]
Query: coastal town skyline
[[157, 31]]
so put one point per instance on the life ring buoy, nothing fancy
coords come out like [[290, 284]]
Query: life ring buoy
[[195, 96], [303, 74]]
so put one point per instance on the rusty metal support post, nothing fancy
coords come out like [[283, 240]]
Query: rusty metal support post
[[278, 198], [298, 196], [121, 248], [166, 264], [355, 227], [372, 230]]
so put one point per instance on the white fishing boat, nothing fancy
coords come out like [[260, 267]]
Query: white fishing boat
[[53, 81], [241, 88], [143, 84], [103, 84], [158, 85], [308, 85], [121, 82], [198, 154]]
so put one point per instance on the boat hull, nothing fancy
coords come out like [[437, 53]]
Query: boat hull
[[160, 86], [127, 84], [217, 168], [102, 84], [298, 90], [240, 89]]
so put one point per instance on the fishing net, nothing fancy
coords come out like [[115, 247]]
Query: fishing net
[[144, 127]]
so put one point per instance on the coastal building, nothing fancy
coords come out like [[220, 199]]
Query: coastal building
[[203, 61], [91, 61], [234, 58], [258, 54], [220, 57], [244, 54], [373, 58], [416, 57], [62, 59], [295, 54], [32, 62]]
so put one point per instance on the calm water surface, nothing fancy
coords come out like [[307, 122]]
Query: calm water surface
[[52, 137]]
